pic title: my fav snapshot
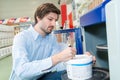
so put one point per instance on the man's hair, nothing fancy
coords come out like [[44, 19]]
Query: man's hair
[[45, 9]]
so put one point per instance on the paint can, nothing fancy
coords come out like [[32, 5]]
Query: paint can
[[80, 67]]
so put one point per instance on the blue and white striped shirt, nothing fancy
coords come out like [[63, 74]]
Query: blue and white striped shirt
[[31, 55]]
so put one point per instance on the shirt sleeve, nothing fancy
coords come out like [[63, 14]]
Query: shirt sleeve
[[24, 68], [58, 47]]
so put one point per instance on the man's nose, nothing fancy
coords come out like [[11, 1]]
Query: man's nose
[[53, 23]]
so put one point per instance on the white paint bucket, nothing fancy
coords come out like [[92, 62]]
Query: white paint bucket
[[80, 67]]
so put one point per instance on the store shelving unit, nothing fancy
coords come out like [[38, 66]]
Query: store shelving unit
[[113, 34], [94, 34], [6, 39], [96, 15]]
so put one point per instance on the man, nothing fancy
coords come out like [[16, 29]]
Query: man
[[36, 53]]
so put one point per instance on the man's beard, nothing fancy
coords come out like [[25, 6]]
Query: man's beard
[[46, 31]]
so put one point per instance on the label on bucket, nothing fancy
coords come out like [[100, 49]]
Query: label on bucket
[[80, 68]]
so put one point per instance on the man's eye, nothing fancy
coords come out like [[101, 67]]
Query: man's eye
[[50, 19]]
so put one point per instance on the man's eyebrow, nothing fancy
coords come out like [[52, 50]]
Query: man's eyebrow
[[53, 18]]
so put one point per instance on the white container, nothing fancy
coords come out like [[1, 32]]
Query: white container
[[80, 67]]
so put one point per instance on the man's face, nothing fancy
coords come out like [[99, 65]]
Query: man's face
[[47, 23]]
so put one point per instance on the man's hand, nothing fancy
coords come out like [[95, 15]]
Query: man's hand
[[65, 55], [89, 54]]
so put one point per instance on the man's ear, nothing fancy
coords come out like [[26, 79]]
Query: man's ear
[[38, 19]]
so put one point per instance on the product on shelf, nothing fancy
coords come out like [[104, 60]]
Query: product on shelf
[[6, 39]]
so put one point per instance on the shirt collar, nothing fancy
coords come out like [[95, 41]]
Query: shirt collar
[[34, 33]]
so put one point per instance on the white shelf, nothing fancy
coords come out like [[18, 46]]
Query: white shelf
[[102, 47]]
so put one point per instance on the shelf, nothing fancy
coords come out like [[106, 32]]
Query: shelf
[[102, 47], [97, 15]]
